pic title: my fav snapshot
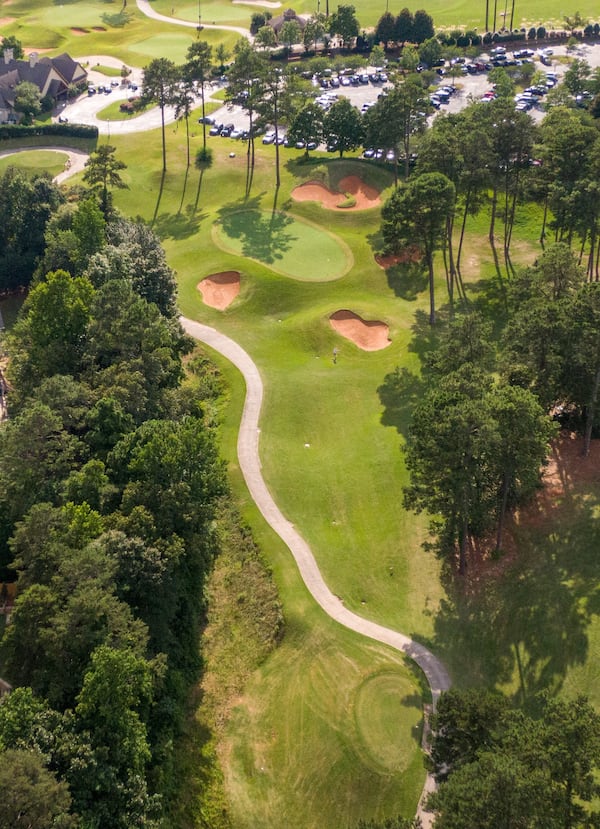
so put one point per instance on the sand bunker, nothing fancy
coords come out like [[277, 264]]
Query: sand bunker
[[410, 254], [364, 196], [220, 289], [370, 335]]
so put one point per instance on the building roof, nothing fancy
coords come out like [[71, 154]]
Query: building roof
[[289, 14]]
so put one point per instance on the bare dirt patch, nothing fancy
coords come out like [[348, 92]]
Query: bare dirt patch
[[370, 335], [99, 28], [410, 254], [566, 474], [4, 21], [78, 32], [364, 195], [220, 289]]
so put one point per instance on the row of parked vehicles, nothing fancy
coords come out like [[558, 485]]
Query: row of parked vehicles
[[359, 79], [106, 89]]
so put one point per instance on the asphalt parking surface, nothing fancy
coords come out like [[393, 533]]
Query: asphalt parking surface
[[85, 108]]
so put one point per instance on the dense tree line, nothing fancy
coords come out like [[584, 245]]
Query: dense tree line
[[109, 482], [480, 432], [499, 766]]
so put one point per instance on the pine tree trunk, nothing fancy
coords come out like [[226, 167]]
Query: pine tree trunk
[[429, 256], [589, 415], [502, 514]]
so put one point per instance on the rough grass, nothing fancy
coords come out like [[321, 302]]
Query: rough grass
[[244, 622]]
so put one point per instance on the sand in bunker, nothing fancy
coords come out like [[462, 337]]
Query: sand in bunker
[[220, 289], [370, 335], [364, 195]]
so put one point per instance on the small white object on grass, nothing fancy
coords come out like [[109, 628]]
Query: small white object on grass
[[231, 155], [307, 445]]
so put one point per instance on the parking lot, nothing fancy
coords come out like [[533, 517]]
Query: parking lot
[[362, 94]]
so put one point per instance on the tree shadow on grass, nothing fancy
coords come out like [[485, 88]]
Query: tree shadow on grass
[[263, 236], [178, 225], [117, 20], [402, 389], [531, 621], [407, 279]]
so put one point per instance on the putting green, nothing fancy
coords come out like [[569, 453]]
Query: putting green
[[385, 706], [282, 242]]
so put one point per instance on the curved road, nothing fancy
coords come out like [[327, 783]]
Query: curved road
[[77, 159], [249, 459], [145, 8]]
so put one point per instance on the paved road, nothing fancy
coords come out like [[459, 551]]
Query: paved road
[[145, 8], [249, 459], [76, 163]]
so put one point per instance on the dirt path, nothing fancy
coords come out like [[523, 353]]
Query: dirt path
[[249, 459]]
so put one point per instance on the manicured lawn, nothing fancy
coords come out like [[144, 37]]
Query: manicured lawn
[[278, 240], [35, 161], [87, 28], [113, 112], [458, 14]]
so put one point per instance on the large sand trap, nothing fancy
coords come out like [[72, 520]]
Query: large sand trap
[[370, 335], [364, 195], [220, 289]]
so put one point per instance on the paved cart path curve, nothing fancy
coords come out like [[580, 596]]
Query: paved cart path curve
[[145, 8], [248, 455]]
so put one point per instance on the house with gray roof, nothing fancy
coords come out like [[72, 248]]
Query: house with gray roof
[[52, 76]]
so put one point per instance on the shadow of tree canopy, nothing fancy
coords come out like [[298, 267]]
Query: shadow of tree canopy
[[532, 621], [264, 236], [407, 279], [117, 20], [178, 225], [402, 389]]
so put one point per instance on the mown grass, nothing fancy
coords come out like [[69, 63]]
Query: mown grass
[[35, 162], [87, 28], [458, 14]]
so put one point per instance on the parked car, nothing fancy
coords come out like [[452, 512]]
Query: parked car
[[227, 130], [216, 129], [208, 119], [269, 137], [369, 153], [237, 133]]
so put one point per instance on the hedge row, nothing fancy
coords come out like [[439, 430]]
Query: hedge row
[[8, 131]]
